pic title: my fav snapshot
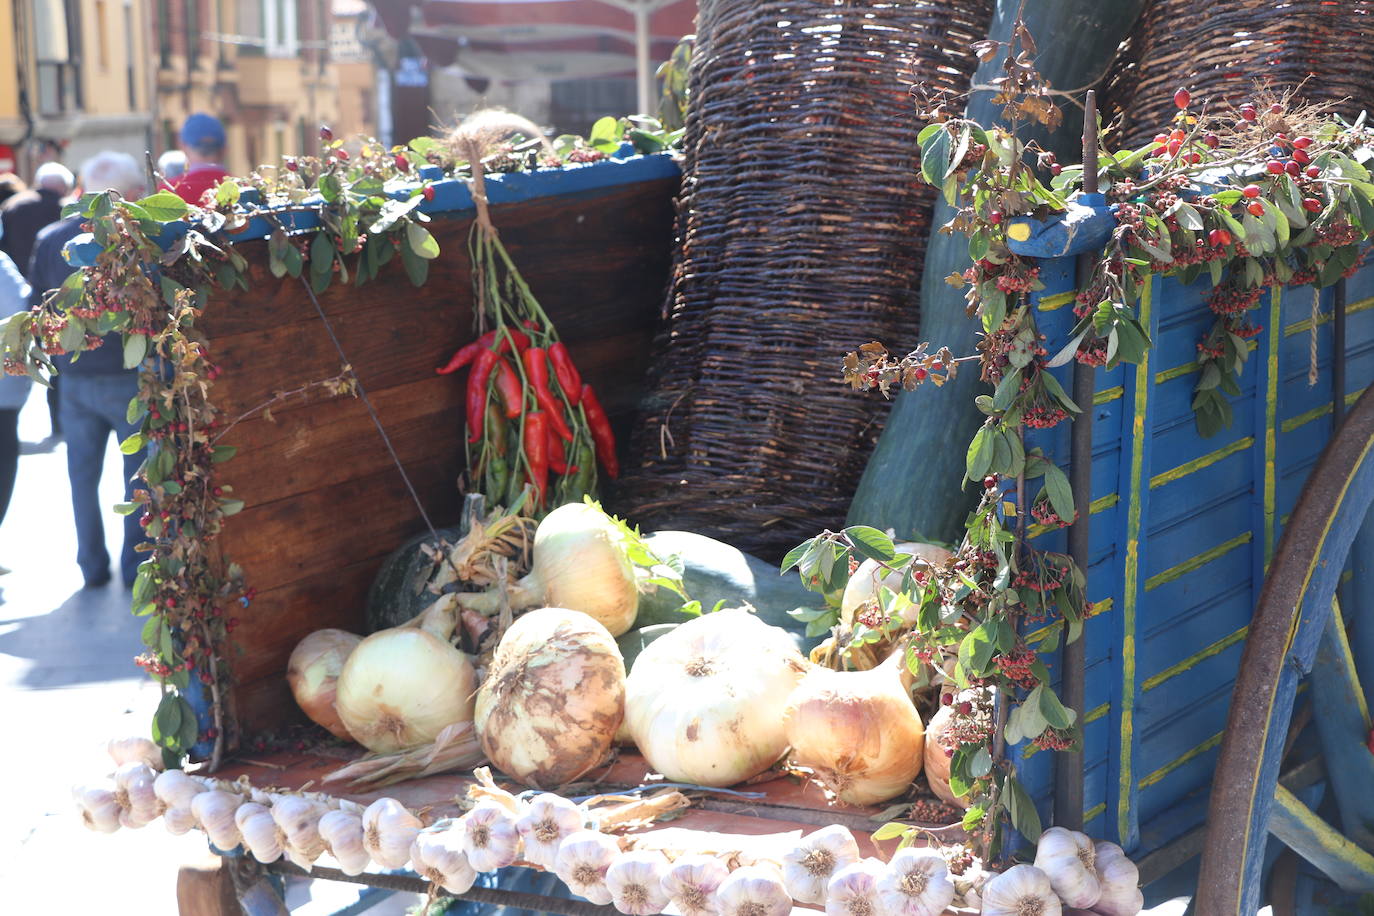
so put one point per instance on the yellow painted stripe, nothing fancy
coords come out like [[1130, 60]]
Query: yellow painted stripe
[[1343, 643], [1094, 811], [1097, 712], [1197, 562], [1288, 645], [1057, 301], [1107, 395], [1197, 464], [1099, 608], [1172, 765], [1131, 568], [1271, 435], [1334, 844], [1298, 327], [1165, 375], [1216, 648], [1308, 416], [1094, 507]]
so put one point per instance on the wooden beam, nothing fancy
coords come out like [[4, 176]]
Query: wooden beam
[[1343, 724], [1318, 842]]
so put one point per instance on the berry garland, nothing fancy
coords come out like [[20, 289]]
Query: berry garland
[[153, 297]]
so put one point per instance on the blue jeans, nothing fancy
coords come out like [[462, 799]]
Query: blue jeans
[[91, 408]]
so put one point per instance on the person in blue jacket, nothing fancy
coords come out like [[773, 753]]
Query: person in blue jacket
[[14, 389]]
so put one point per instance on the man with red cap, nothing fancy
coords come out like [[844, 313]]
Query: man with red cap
[[202, 138]]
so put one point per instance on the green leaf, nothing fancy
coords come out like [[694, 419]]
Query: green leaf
[[223, 453], [1022, 811], [1059, 492], [980, 454], [975, 650], [421, 242], [871, 543], [1007, 389], [981, 764], [133, 445], [135, 348], [135, 409], [417, 268], [1026, 720], [164, 206], [795, 555], [1056, 713], [890, 831], [321, 253], [227, 193], [125, 508], [935, 158], [167, 721], [1188, 217], [190, 728]]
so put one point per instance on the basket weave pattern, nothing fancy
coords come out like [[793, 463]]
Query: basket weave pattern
[[801, 230]]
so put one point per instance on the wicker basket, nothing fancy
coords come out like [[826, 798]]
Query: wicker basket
[[1218, 52], [801, 233]]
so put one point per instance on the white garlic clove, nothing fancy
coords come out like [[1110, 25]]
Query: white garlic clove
[[853, 890], [490, 837], [134, 791], [178, 820], [99, 810], [1022, 890], [175, 789], [299, 820], [135, 749], [548, 819], [438, 857], [1068, 858], [214, 812], [635, 880], [916, 883], [128, 818], [581, 863], [388, 831], [261, 835], [1120, 880], [753, 890], [807, 869], [691, 884], [342, 834]]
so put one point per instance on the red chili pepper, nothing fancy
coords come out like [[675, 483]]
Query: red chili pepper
[[467, 354], [558, 458], [508, 384], [477, 392], [537, 369], [569, 379], [601, 432], [522, 341], [537, 452]]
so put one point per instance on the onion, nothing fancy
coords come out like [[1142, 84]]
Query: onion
[[857, 731], [939, 755], [401, 687], [313, 673], [703, 701], [868, 578], [552, 699], [580, 563]]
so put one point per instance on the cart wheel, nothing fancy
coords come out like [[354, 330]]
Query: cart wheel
[[1297, 631]]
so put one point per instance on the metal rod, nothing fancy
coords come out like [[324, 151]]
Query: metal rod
[[1090, 142], [1068, 773], [1338, 357]]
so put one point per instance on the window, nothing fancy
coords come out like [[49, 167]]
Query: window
[[164, 33], [57, 40], [129, 55], [250, 26], [281, 33], [192, 34], [102, 31]]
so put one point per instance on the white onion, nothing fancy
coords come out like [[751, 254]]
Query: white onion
[[552, 699], [313, 673], [401, 687], [704, 702], [864, 584]]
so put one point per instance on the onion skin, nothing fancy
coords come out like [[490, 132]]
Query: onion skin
[[863, 585], [403, 686], [938, 760], [313, 673], [553, 698], [858, 731]]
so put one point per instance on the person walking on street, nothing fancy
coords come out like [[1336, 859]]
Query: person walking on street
[[27, 212], [203, 140], [96, 389], [171, 165], [14, 389]]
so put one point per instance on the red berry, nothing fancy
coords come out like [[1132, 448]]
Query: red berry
[[1174, 147], [325, 133], [989, 482], [1314, 172], [1256, 208], [342, 154], [1301, 157], [1311, 204], [920, 374], [1251, 190], [1302, 142], [428, 192], [1212, 141], [1248, 112], [1194, 158], [1219, 238], [995, 217], [1182, 97], [402, 163], [170, 602], [1292, 168], [291, 165], [1274, 166], [1161, 139], [1177, 134], [1276, 108], [1056, 169]]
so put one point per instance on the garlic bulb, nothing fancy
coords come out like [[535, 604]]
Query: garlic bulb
[[547, 820], [178, 820], [853, 891], [214, 812], [857, 731], [438, 857], [635, 881], [388, 831], [1022, 890], [261, 835], [702, 701], [134, 792], [753, 890], [916, 883], [135, 749], [807, 869], [1068, 858], [99, 809], [582, 861], [489, 836], [691, 884], [342, 833], [299, 820], [968, 885], [175, 789], [1120, 882]]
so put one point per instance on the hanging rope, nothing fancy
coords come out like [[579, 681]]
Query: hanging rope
[[1312, 337]]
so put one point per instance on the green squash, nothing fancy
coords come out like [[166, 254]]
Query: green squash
[[715, 571], [398, 592]]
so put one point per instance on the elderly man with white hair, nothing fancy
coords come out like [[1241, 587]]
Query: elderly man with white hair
[[95, 389], [27, 212]]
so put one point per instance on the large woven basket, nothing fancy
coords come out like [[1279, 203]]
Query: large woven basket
[[800, 234], [1220, 50]]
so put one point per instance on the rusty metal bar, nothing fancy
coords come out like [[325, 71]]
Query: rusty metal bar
[[1338, 357]]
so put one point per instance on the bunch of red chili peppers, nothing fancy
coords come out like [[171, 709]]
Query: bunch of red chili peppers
[[530, 417]]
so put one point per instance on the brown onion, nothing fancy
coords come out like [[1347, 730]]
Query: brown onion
[[313, 673]]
